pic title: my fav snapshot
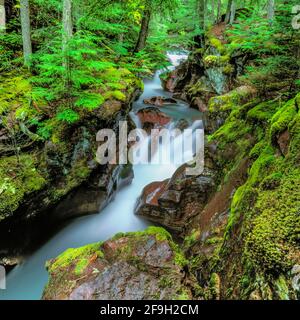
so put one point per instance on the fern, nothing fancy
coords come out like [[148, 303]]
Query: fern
[[68, 115]]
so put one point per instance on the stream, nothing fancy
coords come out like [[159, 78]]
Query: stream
[[27, 280]]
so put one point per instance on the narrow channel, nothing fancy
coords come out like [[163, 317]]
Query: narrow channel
[[27, 280]]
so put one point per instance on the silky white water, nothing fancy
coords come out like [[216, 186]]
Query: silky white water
[[27, 280]]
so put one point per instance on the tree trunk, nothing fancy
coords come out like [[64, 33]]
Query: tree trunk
[[232, 12], [219, 11], [271, 10], [228, 11], [67, 24], [141, 43], [213, 11], [2, 16], [201, 12], [66, 37], [26, 31]]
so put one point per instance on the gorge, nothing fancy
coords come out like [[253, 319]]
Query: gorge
[[82, 231], [74, 226]]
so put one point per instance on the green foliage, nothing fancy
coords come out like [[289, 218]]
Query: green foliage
[[272, 46], [68, 115], [19, 177]]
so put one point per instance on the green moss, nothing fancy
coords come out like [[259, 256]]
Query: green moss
[[216, 43], [232, 131], [115, 94], [272, 181], [213, 241], [78, 174], [184, 295], [294, 155], [212, 60], [275, 231], [231, 100], [165, 282], [263, 111], [14, 92], [256, 150], [283, 117], [261, 165], [215, 286], [19, 177], [78, 258], [217, 61], [161, 234], [180, 259], [81, 266], [228, 69], [282, 289], [192, 238], [245, 193]]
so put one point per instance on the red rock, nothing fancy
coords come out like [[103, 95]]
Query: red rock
[[151, 118], [153, 191]]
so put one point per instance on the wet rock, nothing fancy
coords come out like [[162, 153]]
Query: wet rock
[[10, 262], [182, 124], [95, 194], [174, 202], [152, 118], [137, 266], [160, 101], [219, 81]]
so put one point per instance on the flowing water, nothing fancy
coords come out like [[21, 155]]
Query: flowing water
[[27, 280]]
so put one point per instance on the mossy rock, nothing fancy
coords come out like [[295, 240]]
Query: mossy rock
[[139, 265], [263, 112], [19, 178], [282, 119], [231, 100]]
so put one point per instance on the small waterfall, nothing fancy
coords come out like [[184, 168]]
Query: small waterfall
[[27, 280]]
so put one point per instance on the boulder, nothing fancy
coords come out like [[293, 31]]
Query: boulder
[[172, 203], [136, 266], [159, 101], [152, 118]]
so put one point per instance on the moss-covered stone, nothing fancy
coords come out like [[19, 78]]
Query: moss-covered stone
[[263, 112], [78, 259], [282, 119], [231, 100], [19, 177], [146, 264]]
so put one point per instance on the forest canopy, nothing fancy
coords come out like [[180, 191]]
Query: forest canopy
[[73, 53]]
